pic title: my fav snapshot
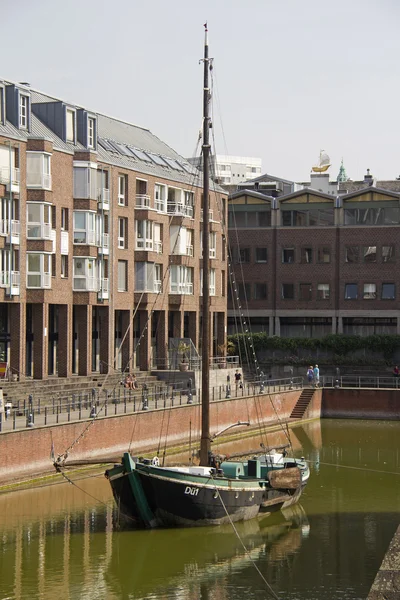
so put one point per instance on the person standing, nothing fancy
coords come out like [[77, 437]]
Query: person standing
[[396, 371], [316, 376], [310, 374], [238, 379]]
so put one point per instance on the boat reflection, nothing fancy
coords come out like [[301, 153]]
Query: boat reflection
[[143, 562]]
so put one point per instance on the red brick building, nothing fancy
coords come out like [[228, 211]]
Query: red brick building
[[308, 264], [100, 241]]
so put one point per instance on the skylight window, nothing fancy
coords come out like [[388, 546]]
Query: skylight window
[[174, 164], [121, 149], [140, 155], [158, 160], [106, 145]]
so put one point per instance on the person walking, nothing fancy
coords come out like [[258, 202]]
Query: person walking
[[316, 376], [310, 374], [238, 379]]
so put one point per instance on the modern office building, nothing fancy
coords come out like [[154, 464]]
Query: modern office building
[[100, 241], [231, 170]]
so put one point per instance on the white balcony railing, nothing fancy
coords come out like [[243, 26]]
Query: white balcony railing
[[103, 243], [39, 231], [189, 250], [142, 201], [179, 209], [86, 284], [5, 279], [160, 205], [64, 242], [157, 286], [86, 237], [181, 288], [212, 253], [38, 280], [142, 244], [158, 247], [4, 226], [103, 292], [103, 197], [40, 181], [5, 175]]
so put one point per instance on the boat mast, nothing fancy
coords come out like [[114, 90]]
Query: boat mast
[[205, 445]]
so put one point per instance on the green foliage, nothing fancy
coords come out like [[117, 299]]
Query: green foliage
[[342, 347]]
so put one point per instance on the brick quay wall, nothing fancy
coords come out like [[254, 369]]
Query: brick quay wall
[[27, 453]]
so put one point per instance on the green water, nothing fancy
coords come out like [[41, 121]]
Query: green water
[[62, 542]]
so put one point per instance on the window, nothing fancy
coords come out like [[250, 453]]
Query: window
[[288, 255], [38, 269], [144, 235], [91, 130], [84, 227], [261, 255], [223, 284], [23, 111], [212, 244], [305, 291], [85, 182], [307, 218], [350, 291], [369, 291], [122, 275], [148, 277], [260, 291], [287, 291], [70, 126], [64, 219], [122, 233], [64, 266], [85, 275], [38, 170], [369, 254], [211, 282], [243, 255], [372, 216], [2, 111], [122, 187], [306, 255], [324, 255], [160, 196], [38, 220], [181, 280], [388, 291], [352, 254], [323, 291], [158, 278], [388, 253], [244, 291]]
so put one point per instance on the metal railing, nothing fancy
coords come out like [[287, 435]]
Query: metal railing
[[359, 381], [142, 201], [93, 403]]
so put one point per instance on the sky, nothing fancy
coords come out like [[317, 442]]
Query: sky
[[291, 77]]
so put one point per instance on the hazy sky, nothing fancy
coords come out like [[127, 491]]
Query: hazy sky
[[292, 77]]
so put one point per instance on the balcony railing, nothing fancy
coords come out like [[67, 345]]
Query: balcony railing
[[38, 231], [103, 289], [5, 175], [189, 250], [64, 242], [157, 286], [160, 205], [87, 238], [103, 243], [142, 201], [86, 284], [38, 280], [5, 279], [158, 247], [142, 244], [179, 209], [181, 288], [38, 180], [103, 197], [210, 215]]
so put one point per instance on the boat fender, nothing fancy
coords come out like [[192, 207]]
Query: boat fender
[[155, 461]]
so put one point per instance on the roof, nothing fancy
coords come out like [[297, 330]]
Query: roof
[[151, 162], [252, 194]]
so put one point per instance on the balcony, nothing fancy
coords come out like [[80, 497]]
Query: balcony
[[15, 230], [144, 244], [85, 237], [41, 181], [12, 181], [103, 198], [15, 282], [179, 209], [86, 284], [103, 291], [181, 288], [160, 205], [39, 231], [158, 247], [157, 286], [38, 280], [142, 201], [103, 243]]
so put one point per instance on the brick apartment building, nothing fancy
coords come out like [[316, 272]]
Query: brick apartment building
[[308, 264], [100, 241]]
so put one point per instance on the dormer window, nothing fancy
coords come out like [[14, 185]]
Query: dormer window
[[91, 129], [70, 126], [23, 111], [2, 107]]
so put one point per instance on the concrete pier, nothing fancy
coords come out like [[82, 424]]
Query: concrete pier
[[386, 585]]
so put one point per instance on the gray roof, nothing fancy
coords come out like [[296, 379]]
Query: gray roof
[[109, 128]]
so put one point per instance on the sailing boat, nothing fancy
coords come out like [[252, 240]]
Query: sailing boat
[[323, 164], [217, 491]]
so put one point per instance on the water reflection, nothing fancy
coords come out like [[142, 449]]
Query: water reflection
[[58, 542]]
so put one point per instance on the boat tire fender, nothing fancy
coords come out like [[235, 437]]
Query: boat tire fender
[[155, 461]]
